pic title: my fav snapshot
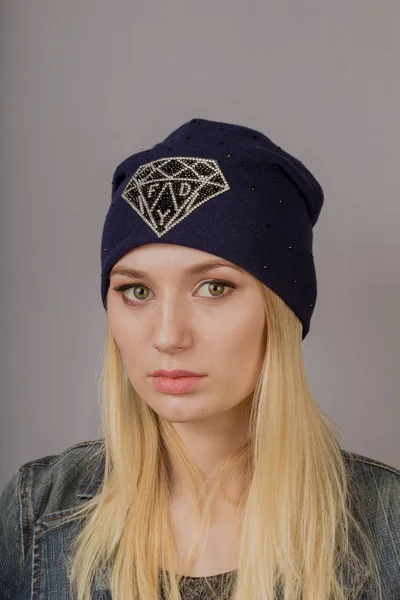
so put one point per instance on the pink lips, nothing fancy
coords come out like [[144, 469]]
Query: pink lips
[[175, 373], [176, 385]]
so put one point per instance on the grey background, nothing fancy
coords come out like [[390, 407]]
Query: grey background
[[86, 83]]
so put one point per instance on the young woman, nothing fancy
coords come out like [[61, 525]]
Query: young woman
[[216, 475]]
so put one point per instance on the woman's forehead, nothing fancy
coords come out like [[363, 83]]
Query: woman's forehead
[[188, 259]]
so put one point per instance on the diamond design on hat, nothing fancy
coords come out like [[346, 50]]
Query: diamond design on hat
[[165, 191]]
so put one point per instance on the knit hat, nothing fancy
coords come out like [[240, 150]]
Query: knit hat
[[227, 190]]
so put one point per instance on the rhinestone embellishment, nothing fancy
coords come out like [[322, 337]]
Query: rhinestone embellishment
[[165, 191]]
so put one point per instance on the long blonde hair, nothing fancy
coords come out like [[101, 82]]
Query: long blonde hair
[[296, 530]]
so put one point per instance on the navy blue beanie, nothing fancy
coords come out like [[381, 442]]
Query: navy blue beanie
[[227, 190]]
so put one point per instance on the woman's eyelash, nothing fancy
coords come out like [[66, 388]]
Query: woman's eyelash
[[127, 286]]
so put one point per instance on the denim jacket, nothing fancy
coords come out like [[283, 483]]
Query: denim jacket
[[35, 503]]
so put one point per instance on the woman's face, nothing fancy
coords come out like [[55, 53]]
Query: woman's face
[[171, 319]]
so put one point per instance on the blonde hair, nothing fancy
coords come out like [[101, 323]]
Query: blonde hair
[[296, 530]]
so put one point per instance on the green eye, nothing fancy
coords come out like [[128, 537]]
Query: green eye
[[143, 287], [216, 284]]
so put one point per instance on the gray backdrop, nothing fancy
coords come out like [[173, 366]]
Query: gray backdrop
[[86, 83]]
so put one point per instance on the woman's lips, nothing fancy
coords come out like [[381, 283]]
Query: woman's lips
[[176, 385]]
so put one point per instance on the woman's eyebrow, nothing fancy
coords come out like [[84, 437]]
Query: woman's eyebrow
[[193, 270]]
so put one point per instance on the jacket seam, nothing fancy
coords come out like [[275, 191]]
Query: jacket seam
[[21, 525], [27, 519], [41, 463], [370, 461]]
